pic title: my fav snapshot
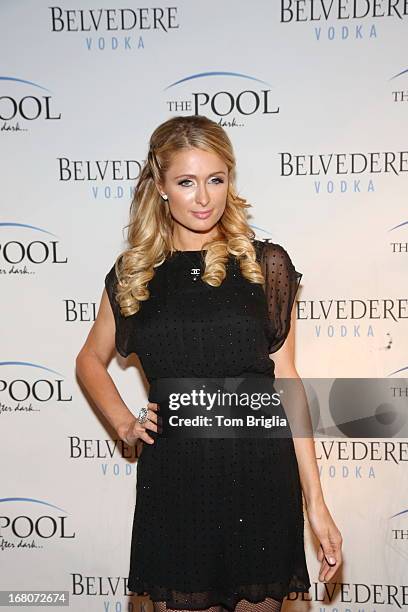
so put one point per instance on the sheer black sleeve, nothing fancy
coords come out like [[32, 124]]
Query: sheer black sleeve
[[281, 284], [122, 335]]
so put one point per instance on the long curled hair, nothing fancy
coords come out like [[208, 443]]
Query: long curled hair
[[150, 228]]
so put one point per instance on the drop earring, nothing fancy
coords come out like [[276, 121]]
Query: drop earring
[[164, 196]]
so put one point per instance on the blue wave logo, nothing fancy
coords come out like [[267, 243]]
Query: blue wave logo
[[24, 81], [398, 226], [201, 75], [399, 513], [264, 231], [404, 369], [399, 74], [27, 226], [31, 500], [30, 365]]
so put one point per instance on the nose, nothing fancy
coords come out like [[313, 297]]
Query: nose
[[202, 197]]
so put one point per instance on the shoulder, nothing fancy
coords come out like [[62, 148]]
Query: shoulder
[[272, 252], [111, 277], [111, 281]]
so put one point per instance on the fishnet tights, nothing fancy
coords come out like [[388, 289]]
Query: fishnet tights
[[267, 605]]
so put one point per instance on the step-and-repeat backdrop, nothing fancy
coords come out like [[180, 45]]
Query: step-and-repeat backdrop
[[314, 95]]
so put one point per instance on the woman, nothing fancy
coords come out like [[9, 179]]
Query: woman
[[218, 523]]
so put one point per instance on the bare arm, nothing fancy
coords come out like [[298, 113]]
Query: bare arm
[[91, 368], [284, 360], [318, 513]]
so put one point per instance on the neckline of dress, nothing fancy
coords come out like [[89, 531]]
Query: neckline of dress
[[205, 250], [198, 251]]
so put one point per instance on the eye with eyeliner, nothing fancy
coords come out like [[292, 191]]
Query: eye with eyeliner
[[217, 178]]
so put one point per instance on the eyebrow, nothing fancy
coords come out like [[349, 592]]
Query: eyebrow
[[194, 176]]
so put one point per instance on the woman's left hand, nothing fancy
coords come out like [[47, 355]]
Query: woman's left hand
[[329, 537]]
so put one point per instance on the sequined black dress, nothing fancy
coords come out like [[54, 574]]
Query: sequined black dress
[[216, 520]]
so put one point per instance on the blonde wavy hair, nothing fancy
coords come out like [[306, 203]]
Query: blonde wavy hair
[[150, 228]]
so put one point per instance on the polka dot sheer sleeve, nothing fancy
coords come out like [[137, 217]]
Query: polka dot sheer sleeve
[[122, 334], [281, 284]]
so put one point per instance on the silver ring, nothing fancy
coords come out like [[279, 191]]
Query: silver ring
[[142, 416]]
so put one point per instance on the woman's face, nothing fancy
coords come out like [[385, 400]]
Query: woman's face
[[196, 184]]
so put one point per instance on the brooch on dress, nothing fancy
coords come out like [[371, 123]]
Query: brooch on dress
[[195, 272]]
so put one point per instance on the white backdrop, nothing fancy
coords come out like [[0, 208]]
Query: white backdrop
[[314, 96]]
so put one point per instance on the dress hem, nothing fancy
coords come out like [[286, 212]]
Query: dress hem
[[227, 597]]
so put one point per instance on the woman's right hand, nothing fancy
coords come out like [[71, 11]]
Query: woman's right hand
[[133, 431]]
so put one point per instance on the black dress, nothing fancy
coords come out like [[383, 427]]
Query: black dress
[[216, 520]]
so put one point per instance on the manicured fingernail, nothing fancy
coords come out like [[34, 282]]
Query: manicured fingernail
[[332, 560]]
